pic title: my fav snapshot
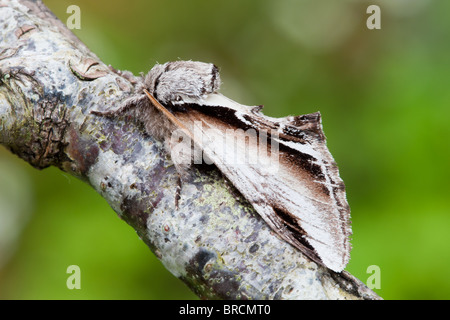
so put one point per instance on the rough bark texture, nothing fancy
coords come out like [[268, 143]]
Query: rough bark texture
[[214, 241]]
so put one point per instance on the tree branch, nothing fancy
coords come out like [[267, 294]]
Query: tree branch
[[214, 241]]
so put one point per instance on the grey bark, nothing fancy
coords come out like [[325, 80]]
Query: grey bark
[[214, 241]]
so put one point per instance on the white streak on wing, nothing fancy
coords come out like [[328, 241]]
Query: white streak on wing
[[314, 216], [241, 118], [308, 149], [303, 148], [259, 188], [217, 99], [327, 252]]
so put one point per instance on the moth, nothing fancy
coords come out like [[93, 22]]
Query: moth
[[292, 182]]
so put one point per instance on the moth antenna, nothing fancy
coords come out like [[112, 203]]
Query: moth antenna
[[168, 114]]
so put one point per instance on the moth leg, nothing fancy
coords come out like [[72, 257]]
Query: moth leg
[[182, 172], [178, 192], [180, 150], [134, 101], [128, 75]]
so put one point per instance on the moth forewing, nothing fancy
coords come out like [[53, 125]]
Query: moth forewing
[[298, 198], [281, 166]]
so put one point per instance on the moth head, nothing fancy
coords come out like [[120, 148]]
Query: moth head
[[177, 82]]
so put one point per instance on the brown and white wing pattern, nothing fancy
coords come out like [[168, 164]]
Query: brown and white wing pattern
[[295, 187], [281, 166]]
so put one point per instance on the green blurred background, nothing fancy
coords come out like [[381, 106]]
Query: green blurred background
[[384, 97]]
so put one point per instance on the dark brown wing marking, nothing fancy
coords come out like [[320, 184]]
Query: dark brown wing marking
[[305, 202]]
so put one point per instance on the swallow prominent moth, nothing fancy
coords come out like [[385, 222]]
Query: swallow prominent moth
[[282, 166]]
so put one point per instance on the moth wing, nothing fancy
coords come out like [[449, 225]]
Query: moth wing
[[296, 188]]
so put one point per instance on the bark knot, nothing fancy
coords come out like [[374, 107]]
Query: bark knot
[[47, 144]]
